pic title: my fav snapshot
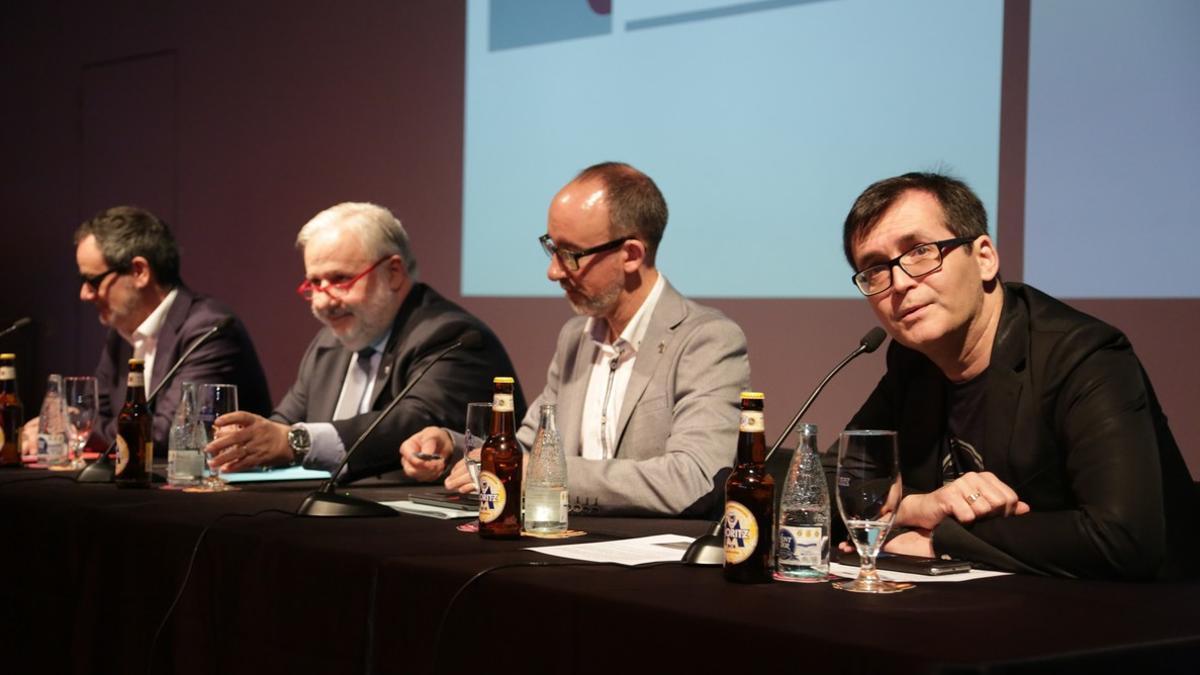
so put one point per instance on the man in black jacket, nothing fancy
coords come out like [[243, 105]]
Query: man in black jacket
[[382, 328], [1030, 437]]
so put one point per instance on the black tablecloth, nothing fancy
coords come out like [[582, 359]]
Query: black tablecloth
[[87, 573]]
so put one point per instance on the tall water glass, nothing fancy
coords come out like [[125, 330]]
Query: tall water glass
[[479, 425], [868, 495], [215, 400], [82, 404]]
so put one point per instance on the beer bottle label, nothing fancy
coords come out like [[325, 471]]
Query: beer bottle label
[[741, 533], [3, 439], [8, 373], [136, 379], [751, 421], [800, 545], [122, 456], [492, 497], [502, 403]]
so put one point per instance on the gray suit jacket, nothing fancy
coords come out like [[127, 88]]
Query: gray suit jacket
[[426, 324], [678, 425]]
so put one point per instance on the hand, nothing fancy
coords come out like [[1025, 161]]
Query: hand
[[972, 497], [459, 479], [424, 455], [244, 440], [29, 434], [913, 542]]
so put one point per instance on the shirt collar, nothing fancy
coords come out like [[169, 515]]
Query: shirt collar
[[152, 326], [632, 336]]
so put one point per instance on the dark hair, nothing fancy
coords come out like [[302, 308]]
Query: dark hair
[[635, 205], [962, 212], [124, 232]]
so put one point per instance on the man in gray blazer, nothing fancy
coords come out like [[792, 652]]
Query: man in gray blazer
[[382, 328], [646, 382]]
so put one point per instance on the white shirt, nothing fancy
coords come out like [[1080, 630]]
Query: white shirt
[[145, 338], [612, 366], [327, 449]]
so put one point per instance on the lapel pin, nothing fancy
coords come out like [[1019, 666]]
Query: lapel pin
[[661, 347]]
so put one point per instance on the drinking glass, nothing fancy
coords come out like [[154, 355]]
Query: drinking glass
[[82, 404], [215, 400], [479, 425], [868, 495]]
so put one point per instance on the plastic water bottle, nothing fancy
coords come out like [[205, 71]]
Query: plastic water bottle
[[185, 453], [546, 504], [802, 541], [52, 426]]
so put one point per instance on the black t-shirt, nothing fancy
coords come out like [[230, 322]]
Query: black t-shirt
[[966, 424]]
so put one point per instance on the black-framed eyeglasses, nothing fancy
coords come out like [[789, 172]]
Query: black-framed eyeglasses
[[93, 282], [570, 259], [308, 287], [916, 262]]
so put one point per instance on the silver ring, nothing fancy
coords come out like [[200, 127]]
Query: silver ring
[[973, 497]]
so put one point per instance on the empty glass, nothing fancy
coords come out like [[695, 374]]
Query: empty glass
[[868, 495]]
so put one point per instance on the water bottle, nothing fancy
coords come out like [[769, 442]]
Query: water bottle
[[802, 541], [52, 426], [185, 452], [546, 504]]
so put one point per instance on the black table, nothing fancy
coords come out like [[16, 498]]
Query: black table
[[87, 573]]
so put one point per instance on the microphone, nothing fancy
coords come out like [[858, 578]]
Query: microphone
[[324, 501], [16, 325], [102, 470], [710, 549]]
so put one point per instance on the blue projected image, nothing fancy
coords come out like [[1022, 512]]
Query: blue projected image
[[760, 121]]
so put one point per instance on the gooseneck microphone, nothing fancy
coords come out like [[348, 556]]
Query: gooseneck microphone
[[16, 325], [101, 470], [324, 502], [710, 549]]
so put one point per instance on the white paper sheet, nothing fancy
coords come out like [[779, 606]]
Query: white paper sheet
[[851, 571], [430, 511], [638, 551]]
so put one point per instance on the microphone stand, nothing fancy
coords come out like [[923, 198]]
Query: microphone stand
[[102, 470], [710, 548], [324, 502]]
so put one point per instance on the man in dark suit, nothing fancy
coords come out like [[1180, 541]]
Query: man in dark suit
[[129, 271], [1030, 436], [382, 327]]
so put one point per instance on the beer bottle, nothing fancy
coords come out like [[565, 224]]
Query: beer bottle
[[135, 444], [500, 469], [749, 500], [12, 413]]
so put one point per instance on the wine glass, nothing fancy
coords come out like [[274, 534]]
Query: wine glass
[[82, 405], [479, 425], [215, 400], [868, 495]]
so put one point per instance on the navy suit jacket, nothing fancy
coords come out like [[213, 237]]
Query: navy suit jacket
[[425, 324], [227, 358]]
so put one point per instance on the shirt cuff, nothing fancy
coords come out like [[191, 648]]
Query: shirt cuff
[[327, 450]]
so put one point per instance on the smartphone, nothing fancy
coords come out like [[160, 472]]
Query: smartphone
[[447, 499], [920, 565]]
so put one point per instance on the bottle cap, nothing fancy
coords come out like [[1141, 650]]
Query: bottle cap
[[136, 362], [757, 395], [8, 355], [502, 380]]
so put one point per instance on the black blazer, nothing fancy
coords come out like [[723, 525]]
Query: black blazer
[[425, 324], [227, 358], [1073, 426]]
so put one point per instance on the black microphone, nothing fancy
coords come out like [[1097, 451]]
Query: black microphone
[[101, 470], [16, 325], [710, 549], [324, 501]]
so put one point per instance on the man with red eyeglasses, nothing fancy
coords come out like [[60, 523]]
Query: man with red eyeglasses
[[1030, 437], [382, 327]]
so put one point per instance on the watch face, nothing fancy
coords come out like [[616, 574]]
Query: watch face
[[298, 438]]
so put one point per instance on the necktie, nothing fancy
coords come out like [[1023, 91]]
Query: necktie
[[356, 385]]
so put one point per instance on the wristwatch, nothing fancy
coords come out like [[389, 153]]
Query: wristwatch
[[300, 442]]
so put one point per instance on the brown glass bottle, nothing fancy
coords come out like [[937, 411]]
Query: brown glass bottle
[[12, 413], [500, 469], [135, 444], [749, 521]]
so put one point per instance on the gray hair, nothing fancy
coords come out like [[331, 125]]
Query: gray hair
[[379, 230]]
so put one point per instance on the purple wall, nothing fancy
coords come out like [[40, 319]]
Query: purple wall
[[239, 121]]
